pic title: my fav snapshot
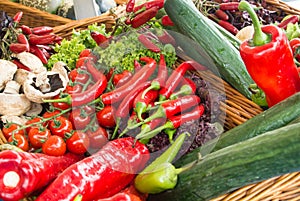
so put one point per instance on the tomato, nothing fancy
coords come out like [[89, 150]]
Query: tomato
[[81, 61], [8, 129], [60, 125], [49, 116], [78, 143], [120, 78], [54, 146], [79, 118], [37, 136], [85, 53], [32, 121], [60, 105], [98, 137], [73, 89], [20, 141], [79, 75], [105, 117]]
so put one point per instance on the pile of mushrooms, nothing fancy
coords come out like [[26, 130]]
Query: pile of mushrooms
[[22, 91]]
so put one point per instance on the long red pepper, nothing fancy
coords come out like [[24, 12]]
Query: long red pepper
[[166, 38], [41, 39], [42, 30], [175, 122], [144, 17], [22, 173], [100, 39], [176, 76], [100, 175], [130, 6], [21, 38], [17, 47], [39, 53], [148, 43], [292, 19], [150, 4], [140, 77], [142, 101], [166, 21], [269, 60], [17, 17], [26, 29], [171, 107], [189, 87]]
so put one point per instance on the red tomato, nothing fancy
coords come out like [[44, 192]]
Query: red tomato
[[49, 116], [60, 125], [73, 89], [8, 129], [32, 121], [98, 137], [105, 117], [120, 78], [78, 143], [19, 141], [81, 61], [79, 118], [37, 136], [54, 146]]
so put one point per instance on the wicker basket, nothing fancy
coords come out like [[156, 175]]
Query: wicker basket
[[237, 108]]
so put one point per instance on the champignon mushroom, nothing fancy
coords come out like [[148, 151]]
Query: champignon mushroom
[[13, 103], [7, 69], [13, 119], [38, 87], [31, 61], [36, 109]]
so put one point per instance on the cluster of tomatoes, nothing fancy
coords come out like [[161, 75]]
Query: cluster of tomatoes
[[63, 127]]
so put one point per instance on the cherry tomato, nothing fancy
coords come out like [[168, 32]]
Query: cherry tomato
[[79, 75], [8, 129], [54, 146], [73, 89], [32, 121], [85, 53], [37, 136], [120, 78], [60, 105], [81, 61], [19, 141], [78, 143], [60, 125], [79, 118], [98, 137], [49, 115], [105, 117]]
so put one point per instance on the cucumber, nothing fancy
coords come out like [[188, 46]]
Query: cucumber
[[275, 117], [192, 23], [271, 154]]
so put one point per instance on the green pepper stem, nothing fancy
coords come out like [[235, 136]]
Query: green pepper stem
[[185, 168], [67, 99], [154, 132], [154, 86], [259, 37]]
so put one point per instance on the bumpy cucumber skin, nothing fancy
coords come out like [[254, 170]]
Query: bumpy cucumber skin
[[271, 154], [195, 25]]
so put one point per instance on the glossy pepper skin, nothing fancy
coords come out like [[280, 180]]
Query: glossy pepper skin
[[33, 170], [271, 65], [100, 175]]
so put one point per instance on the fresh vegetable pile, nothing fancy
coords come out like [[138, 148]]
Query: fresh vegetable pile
[[103, 115]]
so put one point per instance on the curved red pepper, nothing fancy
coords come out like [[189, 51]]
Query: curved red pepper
[[17, 17], [142, 101], [150, 4], [42, 30], [189, 87], [166, 21], [140, 77], [130, 6], [41, 40], [100, 175], [148, 43], [22, 173], [21, 38], [144, 17]]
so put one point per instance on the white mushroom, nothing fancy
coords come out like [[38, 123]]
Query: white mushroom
[[61, 68], [13, 103], [7, 69], [31, 61], [36, 109], [13, 119], [21, 76]]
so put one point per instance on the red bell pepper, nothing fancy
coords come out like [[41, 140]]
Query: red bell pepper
[[22, 173], [100, 175], [269, 60]]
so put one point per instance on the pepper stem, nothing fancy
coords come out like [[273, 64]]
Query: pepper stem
[[154, 132], [259, 37], [67, 99]]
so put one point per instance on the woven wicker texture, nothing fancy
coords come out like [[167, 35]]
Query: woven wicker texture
[[238, 109]]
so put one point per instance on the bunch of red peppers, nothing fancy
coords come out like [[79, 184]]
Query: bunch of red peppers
[[269, 60]]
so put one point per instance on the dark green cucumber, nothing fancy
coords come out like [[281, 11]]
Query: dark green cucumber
[[272, 154], [192, 23], [275, 117]]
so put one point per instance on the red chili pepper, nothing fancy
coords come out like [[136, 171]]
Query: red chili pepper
[[90, 67], [142, 101], [295, 45], [151, 125], [130, 6], [175, 122], [221, 15], [171, 107], [144, 17], [229, 6], [277, 77], [22, 173], [166, 38], [26, 29], [176, 77], [18, 16], [42, 30], [39, 53], [188, 88], [20, 65], [140, 77], [100, 175], [228, 26], [292, 19], [137, 66], [17, 47], [166, 21], [148, 43], [150, 4], [100, 39], [41, 40], [121, 78], [21, 38]]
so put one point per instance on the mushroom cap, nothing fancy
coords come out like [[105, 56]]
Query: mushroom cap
[[14, 104], [7, 69]]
